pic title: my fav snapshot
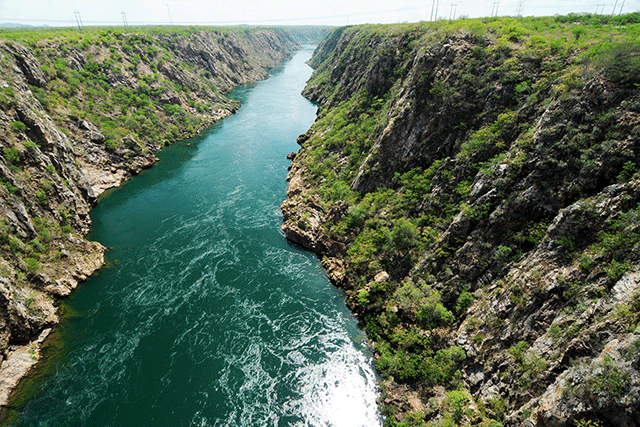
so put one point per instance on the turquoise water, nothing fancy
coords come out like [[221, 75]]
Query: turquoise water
[[207, 316]]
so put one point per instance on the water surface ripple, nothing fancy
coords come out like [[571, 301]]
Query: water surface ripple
[[207, 316]]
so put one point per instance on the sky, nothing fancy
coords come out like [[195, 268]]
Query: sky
[[285, 12]]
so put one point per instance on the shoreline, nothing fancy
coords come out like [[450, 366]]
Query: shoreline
[[20, 361]]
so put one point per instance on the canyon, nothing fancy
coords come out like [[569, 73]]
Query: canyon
[[473, 185]]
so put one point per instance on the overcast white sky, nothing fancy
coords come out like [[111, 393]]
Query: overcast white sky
[[284, 12]]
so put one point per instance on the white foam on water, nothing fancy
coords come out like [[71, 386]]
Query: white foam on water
[[338, 392]]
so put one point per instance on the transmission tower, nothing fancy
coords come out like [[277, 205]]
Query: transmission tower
[[78, 21], [452, 12], [124, 20], [434, 8], [494, 8], [169, 12], [520, 8], [621, 7]]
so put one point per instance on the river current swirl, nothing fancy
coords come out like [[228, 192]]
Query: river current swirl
[[206, 315]]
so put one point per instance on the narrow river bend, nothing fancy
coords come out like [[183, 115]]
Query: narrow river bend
[[206, 315]]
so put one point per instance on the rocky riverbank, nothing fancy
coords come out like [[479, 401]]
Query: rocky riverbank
[[474, 187], [79, 114]]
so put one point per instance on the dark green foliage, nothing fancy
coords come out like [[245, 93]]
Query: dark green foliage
[[611, 380], [42, 197], [18, 126], [405, 235], [620, 62], [10, 187], [36, 245], [12, 155], [426, 367], [464, 301], [30, 145], [628, 171], [32, 265]]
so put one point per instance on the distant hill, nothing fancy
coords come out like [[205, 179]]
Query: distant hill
[[14, 25]]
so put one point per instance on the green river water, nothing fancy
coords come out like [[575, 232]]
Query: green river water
[[206, 315]]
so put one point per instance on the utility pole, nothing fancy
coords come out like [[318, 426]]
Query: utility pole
[[124, 20], [78, 21], [494, 9], [621, 7]]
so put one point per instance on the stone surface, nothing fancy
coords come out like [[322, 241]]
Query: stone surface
[[17, 364]]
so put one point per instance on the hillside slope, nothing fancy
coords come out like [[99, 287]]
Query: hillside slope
[[80, 113], [473, 186]]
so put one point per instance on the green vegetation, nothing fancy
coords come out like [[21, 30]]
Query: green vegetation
[[18, 126], [121, 87], [12, 155], [458, 152], [117, 96]]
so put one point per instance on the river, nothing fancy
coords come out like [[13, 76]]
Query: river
[[206, 315]]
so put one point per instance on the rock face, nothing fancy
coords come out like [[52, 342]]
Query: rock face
[[78, 117], [477, 196]]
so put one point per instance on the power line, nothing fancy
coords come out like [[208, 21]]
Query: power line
[[236, 22], [282, 21]]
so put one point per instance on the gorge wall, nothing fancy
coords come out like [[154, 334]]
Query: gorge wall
[[80, 113], [474, 187]]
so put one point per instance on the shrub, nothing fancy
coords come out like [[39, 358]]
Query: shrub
[[18, 126], [32, 265], [616, 269], [620, 62], [464, 301], [518, 350], [12, 155], [404, 235], [111, 145], [30, 145], [42, 197], [457, 400]]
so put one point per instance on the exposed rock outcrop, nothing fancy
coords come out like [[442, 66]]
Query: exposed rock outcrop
[[78, 117], [477, 196]]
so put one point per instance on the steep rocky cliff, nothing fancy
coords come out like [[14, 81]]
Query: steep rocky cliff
[[474, 187], [80, 113]]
